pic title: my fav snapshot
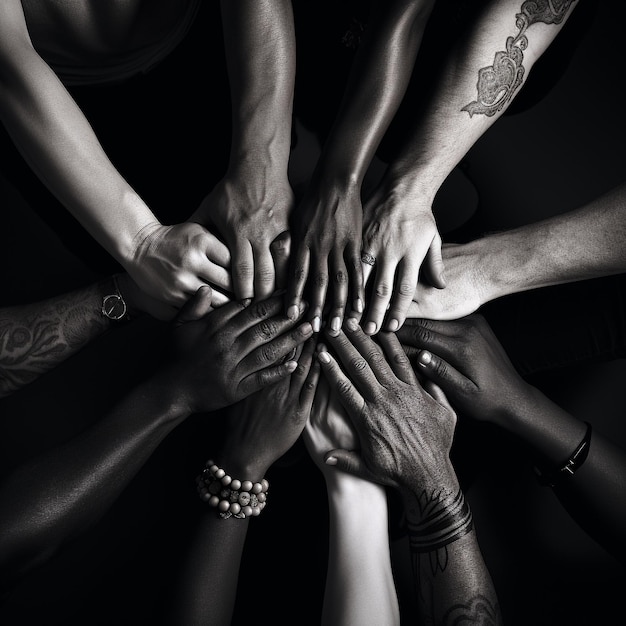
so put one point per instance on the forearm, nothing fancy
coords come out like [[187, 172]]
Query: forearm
[[34, 338], [60, 145], [375, 88], [549, 252], [59, 493], [482, 74], [452, 581], [359, 585], [260, 50]]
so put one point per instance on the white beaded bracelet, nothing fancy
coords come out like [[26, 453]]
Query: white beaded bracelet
[[230, 496]]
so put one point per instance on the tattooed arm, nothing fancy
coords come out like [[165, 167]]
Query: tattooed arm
[[405, 435], [484, 71], [36, 337]]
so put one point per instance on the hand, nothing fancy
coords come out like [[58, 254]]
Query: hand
[[402, 236], [170, 263], [250, 215], [405, 432], [138, 301], [328, 256], [216, 358], [328, 427], [265, 425], [467, 361], [468, 285]]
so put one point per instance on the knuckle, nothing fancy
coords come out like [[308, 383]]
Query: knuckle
[[341, 277], [265, 276], [266, 330], [243, 271], [441, 368], [299, 274], [358, 364], [260, 310], [343, 387], [267, 354], [405, 290], [320, 280], [382, 290]]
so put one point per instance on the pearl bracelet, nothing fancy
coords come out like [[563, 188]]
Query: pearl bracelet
[[231, 497]]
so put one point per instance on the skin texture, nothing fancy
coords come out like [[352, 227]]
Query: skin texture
[[263, 428], [405, 434], [360, 586], [211, 359], [466, 360], [455, 111]]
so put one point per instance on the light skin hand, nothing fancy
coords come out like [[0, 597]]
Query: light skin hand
[[327, 263], [170, 263], [265, 425], [403, 237], [249, 215], [467, 361], [405, 432], [231, 352]]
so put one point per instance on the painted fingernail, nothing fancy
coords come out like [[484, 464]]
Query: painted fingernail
[[351, 324], [331, 460], [306, 328], [424, 358], [370, 328], [317, 323], [358, 305], [393, 325], [335, 323], [323, 357], [293, 312]]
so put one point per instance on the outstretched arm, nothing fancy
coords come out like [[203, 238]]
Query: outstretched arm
[[466, 360], [59, 144], [250, 206], [482, 74], [360, 587], [211, 360], [327, 250], [36, 337], [406, 432], [535, 255]]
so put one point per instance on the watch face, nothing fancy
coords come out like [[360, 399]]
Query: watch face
[[114, 307]]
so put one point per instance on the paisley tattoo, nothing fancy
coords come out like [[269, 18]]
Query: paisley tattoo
[[498, 83]]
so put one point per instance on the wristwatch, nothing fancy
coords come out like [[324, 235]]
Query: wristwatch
[[113, 304]]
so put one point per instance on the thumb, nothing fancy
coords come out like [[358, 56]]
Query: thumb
[[348, 461], [196, 307], [433, 264]]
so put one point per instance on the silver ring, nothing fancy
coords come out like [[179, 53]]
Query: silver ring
[[368, 258]]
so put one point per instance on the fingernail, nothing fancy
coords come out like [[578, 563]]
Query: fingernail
[[246, 301], [316, 324], [335, 323], [358, 305], [370, 328], [424, 358], [293, 312], [323, 357], [393, 325], [306, 328], [291, 366], [331, 460], [302, 306], [351, 324]]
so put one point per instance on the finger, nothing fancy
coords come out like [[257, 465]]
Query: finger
[[433, 264], [196, 307], [299, 272], [356, 281], [217, 251], [437, 337], [214, 274], [348, 395], [349, 462], [309, 388], [437, 393], [305, 359], [279, 249], [361, 358], [339, 286], [380, 296], [406, 281], [264, 277], [257, 357], [219, 298], [266, 377], [318, 284], [256, 313], [444, 375], [242, 270], [396, 357]]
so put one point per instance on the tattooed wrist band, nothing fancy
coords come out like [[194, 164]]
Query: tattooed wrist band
[[446, 523], [569, 466], [230, 496]]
